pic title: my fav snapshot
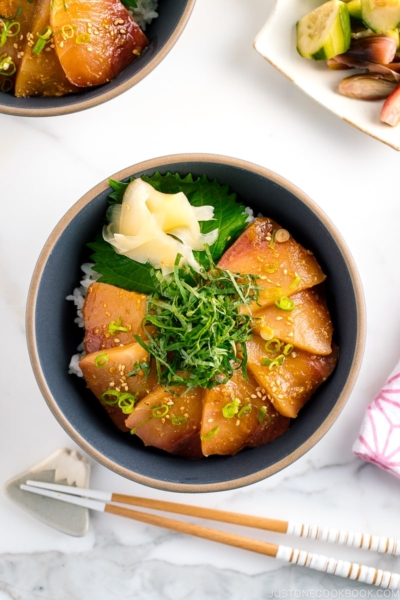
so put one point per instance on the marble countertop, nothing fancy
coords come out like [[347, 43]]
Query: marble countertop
[[212, 93]]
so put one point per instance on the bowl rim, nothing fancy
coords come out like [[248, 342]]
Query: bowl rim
[[156, 163], [112, 93]]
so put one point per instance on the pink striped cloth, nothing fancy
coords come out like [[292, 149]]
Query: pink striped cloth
[[379, 439]]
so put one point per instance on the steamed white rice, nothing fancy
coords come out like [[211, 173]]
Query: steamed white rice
[[78, 298], [145, 12]]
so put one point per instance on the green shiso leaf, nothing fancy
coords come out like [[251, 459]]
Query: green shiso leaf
[[229, 217], [122, 271], [129, 3]]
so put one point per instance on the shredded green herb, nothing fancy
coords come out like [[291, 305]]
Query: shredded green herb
[[197, 335]]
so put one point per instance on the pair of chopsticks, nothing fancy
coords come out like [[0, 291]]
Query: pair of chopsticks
[[101, 501]]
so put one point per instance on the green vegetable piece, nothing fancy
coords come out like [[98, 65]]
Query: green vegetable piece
[[325, 32], [245, 410], [210, 434], [231, 409], [380, 15]]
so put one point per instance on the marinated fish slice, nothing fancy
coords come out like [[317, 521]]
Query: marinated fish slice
[[170, 421], [40, 74], [285, 268], [108, 370], [308, 326], [19, 13], [290, 384], [112, 316], [238, 414], [95, 39]]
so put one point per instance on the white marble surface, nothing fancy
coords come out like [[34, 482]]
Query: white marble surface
[[213, 93]]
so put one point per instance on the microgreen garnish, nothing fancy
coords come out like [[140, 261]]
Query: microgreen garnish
[[200, 335]]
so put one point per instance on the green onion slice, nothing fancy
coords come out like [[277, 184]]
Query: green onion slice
[[288, 349], [210, 434], [274, 346], [231, 409], [295, 282], [160, 411], [133, 431], [111, 397], [245, 410], [126, 403], [101, 360], [67, 31], [272, 240], [263, 414], [115, 326], [285, 303], [39, 46], [45, 33], [82, 38], [179, 420], [271, 268]]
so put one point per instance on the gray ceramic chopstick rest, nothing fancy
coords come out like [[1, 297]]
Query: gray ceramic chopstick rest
[[64, 466]]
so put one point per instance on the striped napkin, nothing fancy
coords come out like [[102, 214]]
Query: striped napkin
[[379, 438]]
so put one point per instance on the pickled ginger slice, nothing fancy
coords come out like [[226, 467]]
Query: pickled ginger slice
[[152, 227]]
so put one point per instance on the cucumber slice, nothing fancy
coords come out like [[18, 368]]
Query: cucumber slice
[[354, 8], [324, 32], [380, 15]]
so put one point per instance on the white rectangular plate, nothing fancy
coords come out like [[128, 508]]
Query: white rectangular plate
[[276, 42]]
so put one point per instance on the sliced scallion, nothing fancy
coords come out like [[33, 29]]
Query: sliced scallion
[[210, 434], [285, 303], [295, 282], [82, 38], [245, 410], [126, 403], [288, 349], [101, 360], [160, 411], [274, 346], [115, 326], [111, 397], [179, 420], [231, 409]]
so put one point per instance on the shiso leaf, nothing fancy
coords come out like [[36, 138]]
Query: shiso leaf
[[229, 217], [129, 3]]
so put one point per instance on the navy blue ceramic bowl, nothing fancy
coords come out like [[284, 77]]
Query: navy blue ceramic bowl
[[58, 271], [162, 33]]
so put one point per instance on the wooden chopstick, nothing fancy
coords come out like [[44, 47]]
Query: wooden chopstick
[[341, 568], [331, 535]]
